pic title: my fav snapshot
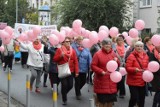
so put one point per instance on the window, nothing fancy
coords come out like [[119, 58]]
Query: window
[[145, 3], [146, 30]]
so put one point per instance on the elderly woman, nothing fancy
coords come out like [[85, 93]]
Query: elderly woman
[[67, 54], [84, 61], [136, 63], [35, 61], [104, 87]]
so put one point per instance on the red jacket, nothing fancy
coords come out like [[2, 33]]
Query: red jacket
[[103, 83], [73, 63], [135, 78]]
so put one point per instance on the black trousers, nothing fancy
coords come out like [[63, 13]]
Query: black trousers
[[121, 86], [8, 60], [24, 57], [66, 86], [79, 83], [54, 79], [137, 96], [156, 100]]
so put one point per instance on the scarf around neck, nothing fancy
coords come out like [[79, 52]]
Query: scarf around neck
[[156, 54], [38, 46], [120, 50], [66, 51]]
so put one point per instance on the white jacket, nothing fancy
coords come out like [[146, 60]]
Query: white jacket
[[35, 58]]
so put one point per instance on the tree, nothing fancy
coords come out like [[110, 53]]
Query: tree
[[94, 13], [8, 12]]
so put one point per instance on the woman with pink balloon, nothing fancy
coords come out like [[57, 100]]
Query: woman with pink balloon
[[136, 63], [120, 50], [154, 67], [104, 87], [35, 61]]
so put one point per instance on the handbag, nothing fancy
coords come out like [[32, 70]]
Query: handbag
[[64, 70]]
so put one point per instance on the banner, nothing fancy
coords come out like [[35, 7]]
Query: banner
[[46, 30]]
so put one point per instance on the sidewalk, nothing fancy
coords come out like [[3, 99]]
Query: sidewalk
[[3, 101]]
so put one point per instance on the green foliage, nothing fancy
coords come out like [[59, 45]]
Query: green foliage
[[8, 12], [94, 13]]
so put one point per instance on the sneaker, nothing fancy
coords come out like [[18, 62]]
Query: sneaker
[[78, 97], [4, 69], [64, 103], [37, 90], [121, 96], [44, 85], [3, 64], [30, 88]]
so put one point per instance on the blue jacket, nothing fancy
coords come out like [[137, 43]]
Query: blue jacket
[[84, 58]]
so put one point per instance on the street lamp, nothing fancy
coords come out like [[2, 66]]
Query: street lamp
[[16, 11]]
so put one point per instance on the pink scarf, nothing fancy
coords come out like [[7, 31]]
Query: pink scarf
[[120, 50], [156, 54], [66, 51], [38, 46], [150, 47]]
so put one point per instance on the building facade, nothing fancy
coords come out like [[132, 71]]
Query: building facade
[[149, 11]]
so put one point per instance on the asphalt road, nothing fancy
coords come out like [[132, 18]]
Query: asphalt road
[[44, 99]]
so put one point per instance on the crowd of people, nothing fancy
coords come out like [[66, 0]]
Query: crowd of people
[[89, 66]]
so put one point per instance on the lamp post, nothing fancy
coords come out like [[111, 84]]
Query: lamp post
[[16, 11]]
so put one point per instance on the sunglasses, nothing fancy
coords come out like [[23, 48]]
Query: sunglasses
[[67, 41]]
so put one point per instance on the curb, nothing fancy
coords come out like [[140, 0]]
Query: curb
[[3, 101]]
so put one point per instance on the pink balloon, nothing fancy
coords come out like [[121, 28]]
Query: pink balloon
[[133, 33], [53, 39], [86, 43], [153, 66], [125, 34], [155, 40], [23, 37], [36, 30], [6, 41], [113, 32], [102, 34], [31, 36], [77, 24], [93, 37], [4, 34], [122, 70], [129, 40], [87, 33], [72, 34], [112, 66], [83, 32], [147, 76], [116, 76], [103, 27], [2, 48], [56, 32], [139, 24], [9, 30], [62, 36]]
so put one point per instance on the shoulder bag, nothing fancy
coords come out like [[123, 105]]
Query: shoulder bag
[[63, 69]]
